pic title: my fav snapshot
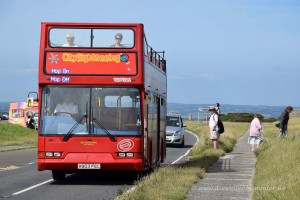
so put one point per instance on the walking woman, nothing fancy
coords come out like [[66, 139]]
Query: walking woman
[[255, 133], [283, 122]]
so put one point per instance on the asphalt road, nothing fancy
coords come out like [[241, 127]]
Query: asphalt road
[[22, 180]]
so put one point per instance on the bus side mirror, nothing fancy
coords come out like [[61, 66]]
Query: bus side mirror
[[29, 101]]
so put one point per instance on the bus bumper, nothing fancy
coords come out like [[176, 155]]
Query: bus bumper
[[107, 162]]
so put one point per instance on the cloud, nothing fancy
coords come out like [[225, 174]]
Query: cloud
[[186, 75], [180, 75], [207, 76], [20, 71]]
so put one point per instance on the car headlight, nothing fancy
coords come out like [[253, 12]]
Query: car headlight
[[177, 133]]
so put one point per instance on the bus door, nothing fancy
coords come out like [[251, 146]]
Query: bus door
[[158, 128], [153, 130]]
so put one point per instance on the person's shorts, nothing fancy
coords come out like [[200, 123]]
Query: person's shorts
[[254, 140], [214, 134]]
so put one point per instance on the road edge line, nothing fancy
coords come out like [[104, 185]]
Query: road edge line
[[34, 186]]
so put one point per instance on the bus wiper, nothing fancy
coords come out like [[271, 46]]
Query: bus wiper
[[68, 135], [105, 130]]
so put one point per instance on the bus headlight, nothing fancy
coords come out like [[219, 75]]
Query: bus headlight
[[57, 154], [53, 154], [129, 154], [49, 154], [123, 154]]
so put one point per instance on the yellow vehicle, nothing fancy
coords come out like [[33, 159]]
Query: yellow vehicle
[[19, 111]]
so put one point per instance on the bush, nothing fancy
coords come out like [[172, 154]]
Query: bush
[[271, 120], [240, 117]]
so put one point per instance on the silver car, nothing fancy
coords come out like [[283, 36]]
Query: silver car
[[175, 130]]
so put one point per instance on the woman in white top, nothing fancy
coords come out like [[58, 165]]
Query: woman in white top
[[213, 127]]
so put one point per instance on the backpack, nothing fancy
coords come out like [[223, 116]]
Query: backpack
[[220, 126]]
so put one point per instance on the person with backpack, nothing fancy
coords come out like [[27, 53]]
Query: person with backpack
[[213, 127]]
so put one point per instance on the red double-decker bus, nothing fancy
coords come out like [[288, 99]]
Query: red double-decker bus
[[103, 98]]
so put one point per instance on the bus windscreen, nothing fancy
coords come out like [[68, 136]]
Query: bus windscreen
[[115, 110]]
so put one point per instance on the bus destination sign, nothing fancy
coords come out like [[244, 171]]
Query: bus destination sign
[[81, 63]]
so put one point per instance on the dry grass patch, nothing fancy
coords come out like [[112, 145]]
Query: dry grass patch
[[159, 185], [278, 164]]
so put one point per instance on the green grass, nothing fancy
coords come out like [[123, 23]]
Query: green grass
[[16, 135], [277, 172], [174, 182]]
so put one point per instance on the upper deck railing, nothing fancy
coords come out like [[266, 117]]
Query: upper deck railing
[[156, 57]]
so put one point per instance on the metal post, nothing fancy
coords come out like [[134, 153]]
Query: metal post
[[199, 110]]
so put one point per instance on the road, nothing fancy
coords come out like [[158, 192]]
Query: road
[[22, 181]]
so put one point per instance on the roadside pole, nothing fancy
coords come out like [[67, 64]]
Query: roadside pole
[[199, 110], [205, 111]]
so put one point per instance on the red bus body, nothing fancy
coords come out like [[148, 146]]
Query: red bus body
[[118, 97]]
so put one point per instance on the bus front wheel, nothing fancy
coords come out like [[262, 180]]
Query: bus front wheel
[[58, 175]]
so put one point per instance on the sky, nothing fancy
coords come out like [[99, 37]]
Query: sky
[[242, 52]]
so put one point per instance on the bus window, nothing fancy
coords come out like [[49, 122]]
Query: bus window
[[91, 38], [119, 114], [104, 38], [118, 101], [16, 113], [60, 114], [59, 37]]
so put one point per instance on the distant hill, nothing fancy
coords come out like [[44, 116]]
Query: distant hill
[[4, 106], [192, 109]]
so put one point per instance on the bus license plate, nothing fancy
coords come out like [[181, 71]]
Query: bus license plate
[[89, 166]]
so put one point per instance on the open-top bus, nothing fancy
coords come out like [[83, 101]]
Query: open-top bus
[[116, 114]]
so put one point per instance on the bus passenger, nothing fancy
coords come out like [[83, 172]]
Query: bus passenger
[[66, 107], [70, 41], [118, 39]]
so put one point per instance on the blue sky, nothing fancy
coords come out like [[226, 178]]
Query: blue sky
[[243, 52]]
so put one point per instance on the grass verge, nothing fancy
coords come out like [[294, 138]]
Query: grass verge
[[173, 182], [16, 135], [278, 164]]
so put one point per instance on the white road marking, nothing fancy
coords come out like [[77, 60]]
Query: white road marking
[[32, 187], [188, 150]]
